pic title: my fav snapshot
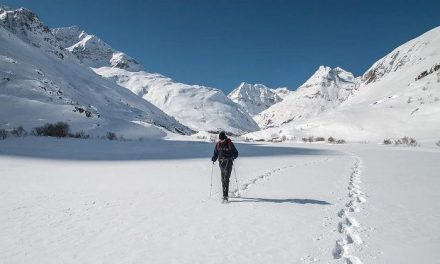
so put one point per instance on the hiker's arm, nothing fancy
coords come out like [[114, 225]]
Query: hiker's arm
[[234, 151], [215, 154]]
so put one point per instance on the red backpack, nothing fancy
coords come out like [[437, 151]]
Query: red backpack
[[224, 151]]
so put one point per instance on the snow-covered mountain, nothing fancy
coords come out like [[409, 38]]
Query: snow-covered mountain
[[40, 82], [45, 76], [326, 89], [92, 51], [199, 107], [398, 96], [255, 98]]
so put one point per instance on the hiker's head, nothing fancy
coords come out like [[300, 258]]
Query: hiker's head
[[222, 135]]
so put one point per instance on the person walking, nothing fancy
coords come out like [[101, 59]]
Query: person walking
[[226, 153]]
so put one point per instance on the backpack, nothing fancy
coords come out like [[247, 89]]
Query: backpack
[[224, 149]]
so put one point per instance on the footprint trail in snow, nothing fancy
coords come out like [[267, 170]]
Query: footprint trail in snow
[[245, 187], [348, 226]]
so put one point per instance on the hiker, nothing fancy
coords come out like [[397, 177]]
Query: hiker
[[226, 153]]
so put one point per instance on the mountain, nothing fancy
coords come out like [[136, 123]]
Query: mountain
[[198, 107], [254, 98], [325, 89], [398, 96], [92, 51], [41, 82]]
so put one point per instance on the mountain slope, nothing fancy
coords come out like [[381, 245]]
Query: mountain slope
[[398, 96], [40, 83], [255, 98], [92, 51], [199, 107], [326, 89]]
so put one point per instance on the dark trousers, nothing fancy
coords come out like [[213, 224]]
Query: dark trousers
[[225, 169]]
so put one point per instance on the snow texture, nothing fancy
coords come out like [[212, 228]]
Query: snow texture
[[41, 83], [399, 96], [45, 79], [119, 202], [254, 98], [92, 51], [326, 89], [198, 107]]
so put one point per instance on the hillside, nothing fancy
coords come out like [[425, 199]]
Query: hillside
[[198, 107], [40, 83], [326, 89], [255, 98], [398, 96]]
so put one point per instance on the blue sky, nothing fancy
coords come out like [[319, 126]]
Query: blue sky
[[222, 43]]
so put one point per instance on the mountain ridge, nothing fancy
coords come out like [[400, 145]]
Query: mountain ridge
[[209, 109], [254, 98], [41, 82], [325, 89], [403, 99], [51, 74]]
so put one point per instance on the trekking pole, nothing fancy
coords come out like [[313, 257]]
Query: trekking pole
[[212, 171], [236, 181]]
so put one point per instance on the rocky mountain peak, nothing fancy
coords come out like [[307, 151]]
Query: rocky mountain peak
[[26, 25], [254, 98], [326, 76], [92, 51]]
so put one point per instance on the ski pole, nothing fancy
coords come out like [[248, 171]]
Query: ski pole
[[212, 171], [236, 181]]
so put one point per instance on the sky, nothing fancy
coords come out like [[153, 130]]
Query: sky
[[221, 43]]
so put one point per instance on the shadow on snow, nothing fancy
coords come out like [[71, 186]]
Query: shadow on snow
[[102, 150], [269, 200]]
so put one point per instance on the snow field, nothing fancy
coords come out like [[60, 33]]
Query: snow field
[[158, 211], [148, 202]]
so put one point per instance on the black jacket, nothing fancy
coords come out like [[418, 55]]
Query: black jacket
[[224, 150]]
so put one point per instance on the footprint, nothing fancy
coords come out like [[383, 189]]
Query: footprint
[[354, 238], [347, 225], [353, 260], [355, 186], [340, 249], [354, 209], [356, 193], [361, 200], [351, 221], [344, 228], [341, 213]]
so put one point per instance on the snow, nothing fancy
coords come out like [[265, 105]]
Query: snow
[[42, 83], [147, 200], [92, 51], [326, 89], [198, 107], [390, 101], [254, 98], [70, 201], [398, 96]]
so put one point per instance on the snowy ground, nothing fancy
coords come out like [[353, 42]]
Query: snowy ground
[[94, 201]]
